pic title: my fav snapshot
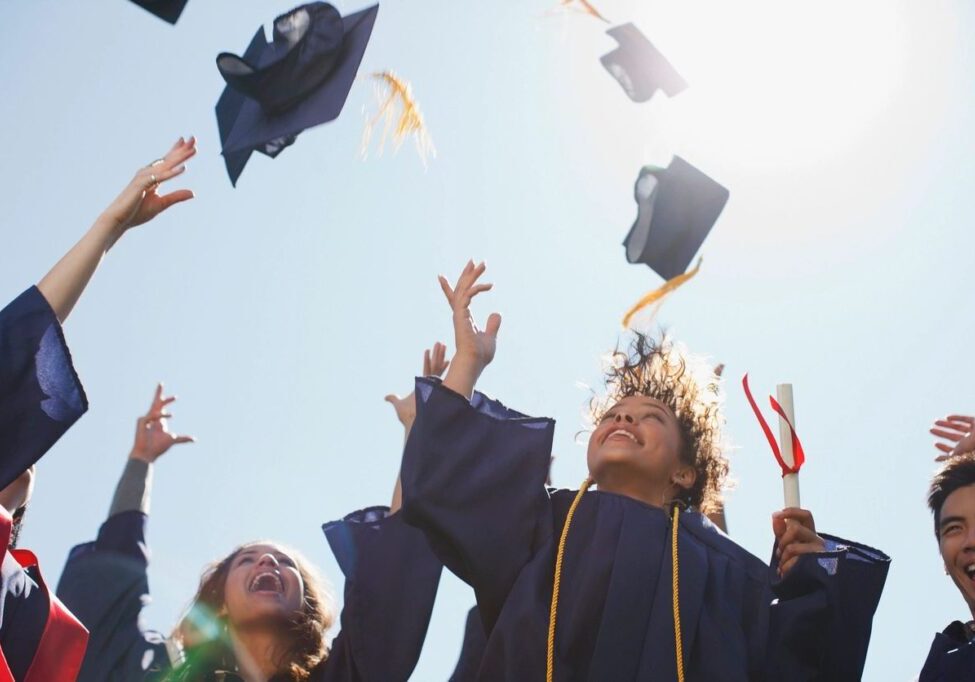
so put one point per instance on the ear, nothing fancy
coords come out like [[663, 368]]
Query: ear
[[684, 477]]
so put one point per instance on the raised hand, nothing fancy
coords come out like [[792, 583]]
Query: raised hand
[[475, 347], [434, 365], [140, 201], [152, 435], [959, 432], [795, 531]]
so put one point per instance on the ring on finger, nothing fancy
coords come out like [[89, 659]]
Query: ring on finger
[[153, 180], [157, 162]]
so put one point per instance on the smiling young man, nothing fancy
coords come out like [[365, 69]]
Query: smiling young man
[[951, 498]]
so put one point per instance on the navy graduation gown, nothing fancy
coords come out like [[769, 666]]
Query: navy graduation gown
[[474, 480], [391, 580], [472, 650], [952, 656], [40, 393], [40, 398]]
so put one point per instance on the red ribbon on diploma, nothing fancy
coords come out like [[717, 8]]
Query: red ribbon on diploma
[[797, 454]]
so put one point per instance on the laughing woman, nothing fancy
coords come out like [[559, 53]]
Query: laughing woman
[[630, 581], [261, 613]]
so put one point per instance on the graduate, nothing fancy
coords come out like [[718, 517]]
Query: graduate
[[951, 498], [631, 581], [41, 396], [261, 613]]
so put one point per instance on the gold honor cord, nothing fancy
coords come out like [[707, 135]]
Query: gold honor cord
[[557, 580], [679, 646], [668, 287], [550, 652]]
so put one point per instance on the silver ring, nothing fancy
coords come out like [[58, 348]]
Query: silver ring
[[152, 180], [157, 162]]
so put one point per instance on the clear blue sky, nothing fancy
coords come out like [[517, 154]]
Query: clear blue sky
[[281, 312]]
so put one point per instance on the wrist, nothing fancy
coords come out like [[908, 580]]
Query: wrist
[[108, 229], [140, 456]]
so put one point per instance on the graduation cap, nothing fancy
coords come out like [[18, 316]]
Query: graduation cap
[[640, 67], [677, 207], [299, 80], [167, 10]]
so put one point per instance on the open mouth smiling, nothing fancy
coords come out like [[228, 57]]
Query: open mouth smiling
[[266, 583], [622, 433]]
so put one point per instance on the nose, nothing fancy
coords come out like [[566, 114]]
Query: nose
[[623, 416], [268, 559]]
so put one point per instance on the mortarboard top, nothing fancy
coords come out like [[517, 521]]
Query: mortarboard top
[[677, 207], [167, 10], [640, 67], [299, 80]]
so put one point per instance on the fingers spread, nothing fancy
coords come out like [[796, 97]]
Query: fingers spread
[[949, 435], [493, 324]]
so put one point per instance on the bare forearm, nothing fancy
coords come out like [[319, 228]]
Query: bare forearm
[[63, 285], [462, 376]]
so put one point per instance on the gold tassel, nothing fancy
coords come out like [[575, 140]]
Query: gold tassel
[[658, 294], [584, 6], [390, 90]]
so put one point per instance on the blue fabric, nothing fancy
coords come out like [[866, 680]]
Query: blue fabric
[[40, 393], [951, 658], [475, 483], [106, 585], [472, 650]]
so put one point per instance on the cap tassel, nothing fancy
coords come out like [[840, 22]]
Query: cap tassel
[[658, 294], [390, 90], [584, 6]]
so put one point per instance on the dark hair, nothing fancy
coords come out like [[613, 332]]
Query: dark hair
[[957, 472], [17, 519], [202, 631], [689, 387]]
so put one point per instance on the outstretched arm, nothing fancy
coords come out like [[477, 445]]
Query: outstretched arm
[[138, 203]]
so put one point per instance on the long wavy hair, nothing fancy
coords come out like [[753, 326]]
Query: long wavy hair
[[666, 371], [202, 632]]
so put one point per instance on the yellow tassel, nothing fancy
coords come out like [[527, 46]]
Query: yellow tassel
[[657, 294], [550, 651], [584, 6], [679, 646], [391, 89]]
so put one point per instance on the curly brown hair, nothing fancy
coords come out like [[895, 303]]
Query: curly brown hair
[[665, 371], [202, 631]]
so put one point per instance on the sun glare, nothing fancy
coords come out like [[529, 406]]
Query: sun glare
[[779, 82]]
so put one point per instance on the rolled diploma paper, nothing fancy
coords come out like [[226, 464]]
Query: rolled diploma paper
[[790, 482]]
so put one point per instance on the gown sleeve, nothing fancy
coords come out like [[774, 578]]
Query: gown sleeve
[[820, 621], [40, 393], [391, 581], [472, 651], [473, 478], [105, 584]]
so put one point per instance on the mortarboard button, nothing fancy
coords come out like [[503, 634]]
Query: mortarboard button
[[676, 209], [299, 80], [640, 67], [167, 10]]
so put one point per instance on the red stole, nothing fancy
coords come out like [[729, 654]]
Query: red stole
[[62, 647]]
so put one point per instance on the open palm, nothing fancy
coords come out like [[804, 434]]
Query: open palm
[[957, 432]]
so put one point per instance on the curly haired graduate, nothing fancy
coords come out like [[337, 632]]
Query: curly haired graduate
[[630, 581]]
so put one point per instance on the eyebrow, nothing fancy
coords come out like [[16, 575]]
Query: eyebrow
[[950, 519]]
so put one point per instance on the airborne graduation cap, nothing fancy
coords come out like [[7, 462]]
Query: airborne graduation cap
[[299, 80], [640, 67], [167, 10], [676, 208]]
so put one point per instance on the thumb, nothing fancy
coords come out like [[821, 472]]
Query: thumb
[[493, 324], [392, 399]]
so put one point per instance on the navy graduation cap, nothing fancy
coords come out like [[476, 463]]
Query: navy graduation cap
[[299, 80], [167, 10], [677, 207], [640, 67]]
